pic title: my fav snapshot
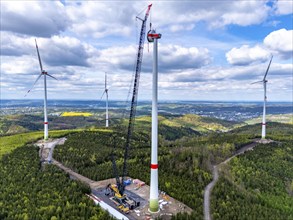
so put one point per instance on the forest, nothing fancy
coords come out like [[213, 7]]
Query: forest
[[257, 185], [185, 161], [9, 142], [29, 190]]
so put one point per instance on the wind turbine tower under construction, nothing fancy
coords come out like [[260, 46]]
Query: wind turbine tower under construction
[[43, 73], [154, 188], [264, 81]]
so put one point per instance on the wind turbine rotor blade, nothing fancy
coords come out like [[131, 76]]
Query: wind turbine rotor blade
[[256, 82], [105, 81], [39, 57], [268, 69], [51, 76], [33, 85], [103, 94]]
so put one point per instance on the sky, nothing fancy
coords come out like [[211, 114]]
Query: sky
[[209, 50]]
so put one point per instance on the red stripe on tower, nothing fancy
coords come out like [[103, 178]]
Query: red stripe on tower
[[154, 166], [154, 35], [45, 123], [263, 123]]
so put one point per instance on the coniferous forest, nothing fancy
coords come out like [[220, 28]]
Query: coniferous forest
[[29, 190], [256, 185]]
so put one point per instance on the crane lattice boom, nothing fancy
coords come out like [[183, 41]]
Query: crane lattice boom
[[121, 184]]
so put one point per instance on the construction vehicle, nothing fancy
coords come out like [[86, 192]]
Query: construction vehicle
[[125, 203]]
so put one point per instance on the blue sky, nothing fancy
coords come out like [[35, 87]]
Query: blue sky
[[209, 50]]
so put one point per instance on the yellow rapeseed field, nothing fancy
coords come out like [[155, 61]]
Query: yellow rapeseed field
[[85, 114]]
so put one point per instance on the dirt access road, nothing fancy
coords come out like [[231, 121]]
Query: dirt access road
[[209, 187]]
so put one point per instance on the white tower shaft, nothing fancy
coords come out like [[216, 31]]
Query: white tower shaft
[[45, 74], [264, 81], [107, 113], [46, 132], [263, 130], [154, 195]]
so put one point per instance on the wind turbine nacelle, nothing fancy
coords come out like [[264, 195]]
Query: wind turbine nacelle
[[153, 35]]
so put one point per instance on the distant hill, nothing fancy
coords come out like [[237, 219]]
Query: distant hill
[[195, 122], [12, 124], [171, 126], [282, 118], [174, 127], [203, 124]]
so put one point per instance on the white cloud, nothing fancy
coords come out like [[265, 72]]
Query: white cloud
[[233, 90], [55, 51], [99, 19], [13, 45], [228, 83], [37, 18], [225, 74], [171, 57], [246, 55], [183, 27], [18, 65], [284, 7], [215, 14], [280, 41], [78, 41], [210, 82], [62, 51], [178, 57], [243, 13]]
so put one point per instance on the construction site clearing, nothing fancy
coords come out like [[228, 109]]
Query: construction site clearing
[[141, 192], [135, 189], [168, 205]]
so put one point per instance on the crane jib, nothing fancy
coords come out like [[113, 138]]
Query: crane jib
[[121, 184]]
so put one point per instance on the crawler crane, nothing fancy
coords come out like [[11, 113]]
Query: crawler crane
[[124, 202]]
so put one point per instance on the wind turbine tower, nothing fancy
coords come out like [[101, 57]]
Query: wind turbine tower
[[106, 92], [154, 191], [43, 73], [264, 82]]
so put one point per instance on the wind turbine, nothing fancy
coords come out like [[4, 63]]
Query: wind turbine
[[106, 92], [43, 73], [264, 81]]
